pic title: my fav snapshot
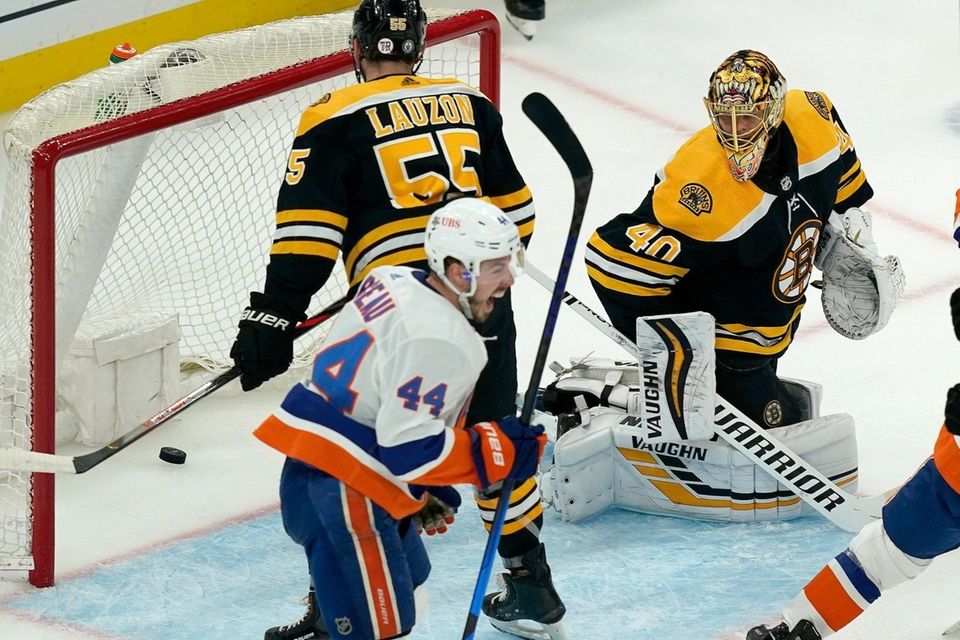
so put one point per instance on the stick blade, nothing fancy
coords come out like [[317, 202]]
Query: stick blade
[[543, 113]]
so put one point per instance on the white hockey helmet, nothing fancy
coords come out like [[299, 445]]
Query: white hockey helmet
[[470, 231]]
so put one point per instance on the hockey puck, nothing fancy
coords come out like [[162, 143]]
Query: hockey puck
[[173, 455]]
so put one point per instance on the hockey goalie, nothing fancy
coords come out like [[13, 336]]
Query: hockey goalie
[[639, 435]]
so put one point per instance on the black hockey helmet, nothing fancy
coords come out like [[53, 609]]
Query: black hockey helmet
[[390, 29]]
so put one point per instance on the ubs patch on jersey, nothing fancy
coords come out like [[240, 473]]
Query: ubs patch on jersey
[[697, 198]]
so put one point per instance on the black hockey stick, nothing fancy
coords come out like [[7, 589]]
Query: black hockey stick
[[16, 459], [758, 445], [552, 124]]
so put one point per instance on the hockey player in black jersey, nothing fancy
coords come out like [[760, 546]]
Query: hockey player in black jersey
[[736, 222], [369, 164]]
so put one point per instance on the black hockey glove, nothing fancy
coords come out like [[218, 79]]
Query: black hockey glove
[[952, 410], [264, 346], [955, 312]]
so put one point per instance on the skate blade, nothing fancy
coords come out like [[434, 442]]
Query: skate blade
[[527, 28], [531, 630]]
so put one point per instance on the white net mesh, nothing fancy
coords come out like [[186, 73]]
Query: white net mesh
[[179, 220]]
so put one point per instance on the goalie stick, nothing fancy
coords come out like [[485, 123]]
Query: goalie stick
[[847, 511], [16, 459], [552, 124]]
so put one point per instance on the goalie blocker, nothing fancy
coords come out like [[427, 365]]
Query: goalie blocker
[[638, 436]]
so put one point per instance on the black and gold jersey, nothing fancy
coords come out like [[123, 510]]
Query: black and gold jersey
[[368, 166], [742, 251]]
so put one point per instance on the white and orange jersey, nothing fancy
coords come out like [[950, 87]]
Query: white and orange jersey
[[919, 523], [956, 219], [388, 388]]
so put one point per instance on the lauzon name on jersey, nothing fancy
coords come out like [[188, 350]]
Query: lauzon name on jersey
[[420, 112]]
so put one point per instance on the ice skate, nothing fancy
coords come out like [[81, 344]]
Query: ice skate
[[803, 631], [527, 605], [524, 15], [308, 627]]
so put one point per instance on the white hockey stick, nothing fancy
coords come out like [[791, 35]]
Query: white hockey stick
[[953, 631], [843, 509]]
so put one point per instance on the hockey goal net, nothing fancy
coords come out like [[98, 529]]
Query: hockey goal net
[[149, 187]]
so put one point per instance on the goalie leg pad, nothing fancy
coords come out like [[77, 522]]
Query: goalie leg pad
[[677, 376], [608, 463], [579, 484], [671, 391]]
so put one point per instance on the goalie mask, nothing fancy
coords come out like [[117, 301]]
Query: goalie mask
[[472, 231], [389, 29], [745, 103]]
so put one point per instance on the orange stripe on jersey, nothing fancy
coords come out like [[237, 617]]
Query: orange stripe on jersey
[[317, 451], [456, 468], [946, 457], [338, 462], [831, 600], [381, 599]]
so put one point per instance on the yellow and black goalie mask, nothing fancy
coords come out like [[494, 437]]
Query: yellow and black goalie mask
[[745, 103]]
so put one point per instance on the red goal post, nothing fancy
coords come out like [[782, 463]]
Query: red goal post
[[111, 174]]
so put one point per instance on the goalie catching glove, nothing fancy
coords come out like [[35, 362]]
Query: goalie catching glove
[[860, 289], [506, 449], [264, 345]]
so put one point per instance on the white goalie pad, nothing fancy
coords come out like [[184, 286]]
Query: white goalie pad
[[860, 288], [677, 376], [607, 462], [671, 393]]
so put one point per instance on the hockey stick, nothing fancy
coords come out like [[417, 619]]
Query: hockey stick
[[552, 124], [843, 509], [953, 631], [16, 459]]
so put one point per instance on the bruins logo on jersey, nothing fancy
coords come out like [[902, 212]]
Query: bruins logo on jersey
[[793, 274], [696, 198], [818, 103]]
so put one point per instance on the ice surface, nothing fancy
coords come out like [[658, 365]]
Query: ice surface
[[149, 551]]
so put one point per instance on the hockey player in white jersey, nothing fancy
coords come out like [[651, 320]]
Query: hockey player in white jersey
[[920, 523], [376, 435]]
